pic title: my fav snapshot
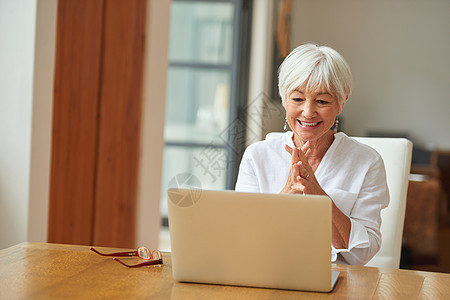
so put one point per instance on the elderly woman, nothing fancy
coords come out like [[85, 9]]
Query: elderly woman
[[314, 84]]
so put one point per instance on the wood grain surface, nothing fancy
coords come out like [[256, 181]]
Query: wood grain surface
[[75, 113], [53, 271], [96, 122]]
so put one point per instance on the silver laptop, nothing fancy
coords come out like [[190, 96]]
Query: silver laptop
[[249, 239]]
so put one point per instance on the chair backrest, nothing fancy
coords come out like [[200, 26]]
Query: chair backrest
[[396, 154]]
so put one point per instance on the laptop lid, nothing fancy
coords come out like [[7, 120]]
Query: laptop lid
[[251, 239]]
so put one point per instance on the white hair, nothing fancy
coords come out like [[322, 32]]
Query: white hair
[[315, 68]]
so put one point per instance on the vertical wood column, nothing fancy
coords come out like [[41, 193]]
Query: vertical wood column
[[75, 110], [119, 134], [96, 125]]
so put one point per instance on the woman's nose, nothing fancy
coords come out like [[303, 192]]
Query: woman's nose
[[309, 110]]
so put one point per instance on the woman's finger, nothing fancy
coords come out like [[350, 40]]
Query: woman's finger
[[300, 165], [295, 155], [306, 149], [293, 152], [302, 157], [304, 160], [295, 171], [288, 149], [303, 172]]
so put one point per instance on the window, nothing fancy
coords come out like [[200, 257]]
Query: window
[[208, 56]]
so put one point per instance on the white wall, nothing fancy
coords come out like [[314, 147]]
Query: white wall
[[152, 138], [17, 36], [41, 123], [260, 67], [27, 35], [399, 54], [16, 78]]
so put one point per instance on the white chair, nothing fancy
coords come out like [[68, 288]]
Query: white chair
[[396, 154]]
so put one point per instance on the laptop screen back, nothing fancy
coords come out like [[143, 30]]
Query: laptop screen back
[[251, 239]]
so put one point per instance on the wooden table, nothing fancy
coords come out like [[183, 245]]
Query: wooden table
[[50, 271]]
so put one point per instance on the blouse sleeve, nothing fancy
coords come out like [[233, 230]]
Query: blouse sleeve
[[247, 181], [365, 217]]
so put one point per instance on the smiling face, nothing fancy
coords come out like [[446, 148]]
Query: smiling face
[[310, 114]]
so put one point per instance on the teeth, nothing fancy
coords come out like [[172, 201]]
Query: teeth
[[308, 124]]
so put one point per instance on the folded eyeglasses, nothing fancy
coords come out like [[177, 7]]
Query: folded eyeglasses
[[151, 257]]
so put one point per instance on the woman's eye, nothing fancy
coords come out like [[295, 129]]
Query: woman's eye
[[297, 99], [323, 102]]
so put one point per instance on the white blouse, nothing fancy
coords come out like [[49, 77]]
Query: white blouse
[[351, 173]]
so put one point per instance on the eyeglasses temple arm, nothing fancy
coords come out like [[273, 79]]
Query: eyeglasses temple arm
[[133, 253], [147, 263]]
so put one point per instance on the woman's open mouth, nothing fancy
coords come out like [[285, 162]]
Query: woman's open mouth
[[308, 124]]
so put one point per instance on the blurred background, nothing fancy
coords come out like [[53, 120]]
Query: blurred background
[[105, 104]]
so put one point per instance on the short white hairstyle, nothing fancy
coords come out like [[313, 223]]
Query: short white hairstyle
[[315, 68]]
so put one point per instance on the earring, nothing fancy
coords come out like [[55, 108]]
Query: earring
[[336, 125], [285, 124]]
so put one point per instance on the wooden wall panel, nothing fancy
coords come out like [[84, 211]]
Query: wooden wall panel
[[76, 90], [96, 126], [119, 134]]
